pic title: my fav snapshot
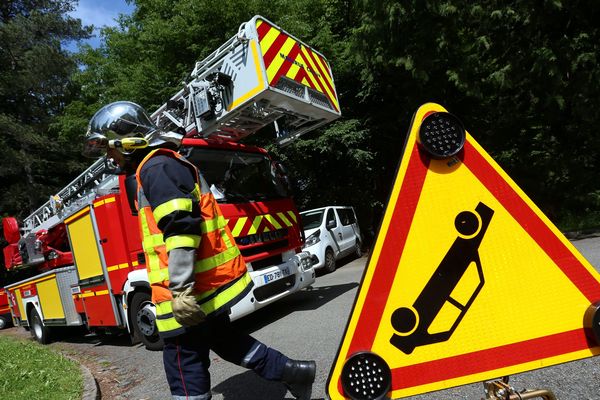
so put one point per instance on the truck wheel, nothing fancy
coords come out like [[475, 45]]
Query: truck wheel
[[143, 321], [329, 260], [38, 330], [4, 322]]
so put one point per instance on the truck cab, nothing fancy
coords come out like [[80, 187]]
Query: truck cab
[[255, 201]]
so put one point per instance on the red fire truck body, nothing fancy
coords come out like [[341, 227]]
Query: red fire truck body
[[83, 246], [108, 285]]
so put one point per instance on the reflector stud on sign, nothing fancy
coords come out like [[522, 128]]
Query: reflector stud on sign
[[591, 321], [366, 376], [442, 135]]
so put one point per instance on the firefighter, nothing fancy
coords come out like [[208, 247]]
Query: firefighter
[[194, 266]]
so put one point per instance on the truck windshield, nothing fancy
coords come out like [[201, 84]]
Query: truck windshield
[[238, 177], [312, 219]]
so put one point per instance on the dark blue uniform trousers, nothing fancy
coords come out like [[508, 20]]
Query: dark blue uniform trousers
[[186, 357]]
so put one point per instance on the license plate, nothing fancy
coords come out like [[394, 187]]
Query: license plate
[[273, 276]]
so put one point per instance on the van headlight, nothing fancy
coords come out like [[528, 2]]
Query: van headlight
[[313, 239]]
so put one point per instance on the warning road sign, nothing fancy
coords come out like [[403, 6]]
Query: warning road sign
[[468, 280]]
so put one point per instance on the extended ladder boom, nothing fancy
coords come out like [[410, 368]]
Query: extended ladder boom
[[89, 179], [260, 76]]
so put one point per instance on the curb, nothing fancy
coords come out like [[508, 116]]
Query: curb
[[90, 386]]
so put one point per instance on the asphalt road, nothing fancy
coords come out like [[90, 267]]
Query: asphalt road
[[307, 325]]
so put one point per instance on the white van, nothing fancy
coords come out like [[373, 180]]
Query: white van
[[331, 233]]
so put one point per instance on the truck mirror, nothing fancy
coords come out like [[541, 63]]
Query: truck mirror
[[282, 174]]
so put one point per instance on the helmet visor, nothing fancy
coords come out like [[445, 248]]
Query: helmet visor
[[94, 145]]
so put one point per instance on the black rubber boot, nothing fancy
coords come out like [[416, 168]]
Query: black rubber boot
[[298, 377]]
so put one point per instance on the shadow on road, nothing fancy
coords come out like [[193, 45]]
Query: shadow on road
[[237, 387], [338, 264], [307, 300], [74, 335]]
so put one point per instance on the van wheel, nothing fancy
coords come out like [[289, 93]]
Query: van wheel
[[329, 260], [358, 250], [143, 321], [38, 330]]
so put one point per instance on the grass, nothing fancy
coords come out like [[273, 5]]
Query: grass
[[32, 371]]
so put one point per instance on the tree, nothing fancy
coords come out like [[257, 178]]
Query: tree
[[522, 76], [34, 87]]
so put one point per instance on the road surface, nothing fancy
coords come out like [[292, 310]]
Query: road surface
[[307, 325]]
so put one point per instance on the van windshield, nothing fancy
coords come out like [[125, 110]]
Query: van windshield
[[312, 219], [238, 177]]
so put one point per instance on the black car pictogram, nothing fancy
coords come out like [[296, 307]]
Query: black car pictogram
[[412, 323]]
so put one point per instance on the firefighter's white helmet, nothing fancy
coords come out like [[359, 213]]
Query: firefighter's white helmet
[[125, 126]]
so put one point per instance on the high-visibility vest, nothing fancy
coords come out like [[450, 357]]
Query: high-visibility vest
[[221, 277]]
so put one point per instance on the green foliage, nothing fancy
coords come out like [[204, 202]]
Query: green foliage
[[34, 87], [523, 76], [30, 371]]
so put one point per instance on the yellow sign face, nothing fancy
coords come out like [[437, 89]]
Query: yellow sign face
[[468, 281]]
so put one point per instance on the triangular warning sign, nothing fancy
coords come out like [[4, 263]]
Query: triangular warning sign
[[468, 280]]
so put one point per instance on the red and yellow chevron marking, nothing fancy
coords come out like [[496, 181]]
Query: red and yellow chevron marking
[[245, 226], [284, 56]]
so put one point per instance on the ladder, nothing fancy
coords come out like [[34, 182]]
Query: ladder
[[233, 93]]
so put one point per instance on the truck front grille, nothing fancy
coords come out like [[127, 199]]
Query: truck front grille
[[275, 288], [263, 237], [267, 262]]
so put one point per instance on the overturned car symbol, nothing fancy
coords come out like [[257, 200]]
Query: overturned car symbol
[[412, 323]]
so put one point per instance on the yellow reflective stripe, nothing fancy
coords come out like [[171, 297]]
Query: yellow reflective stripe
[[158, 274], [167, 324], [284, 219], [227, 295], [164, 308], [255, 224], [239, 225], [212, 225], [293, 215], [170, 206], [225, 238], [119, 266], [196, 192], [216, 260], [178, 241], [273, 221], [144, 221], [149, 242], [154, 264], [152, 241]]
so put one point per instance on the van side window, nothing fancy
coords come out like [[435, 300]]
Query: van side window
[[346, 216], [331, 222]]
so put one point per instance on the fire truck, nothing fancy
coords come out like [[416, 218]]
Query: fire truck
[[84, 244], [5, 317]]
